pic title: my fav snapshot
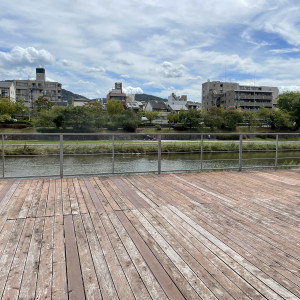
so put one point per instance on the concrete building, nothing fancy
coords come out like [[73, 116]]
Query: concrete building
[[177, 103], [8, 90], [31, 90], [231, 94], [117, 94]]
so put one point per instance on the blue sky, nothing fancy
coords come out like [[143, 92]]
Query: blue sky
[[155, 47]]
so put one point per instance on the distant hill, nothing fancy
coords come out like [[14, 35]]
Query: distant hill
[[147, 98], [68, 96]]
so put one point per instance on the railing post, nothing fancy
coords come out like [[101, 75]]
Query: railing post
[[201, 155], [276, 153], [61, 155], [241, 153], [159, 153], [113, 153], [3, 157]]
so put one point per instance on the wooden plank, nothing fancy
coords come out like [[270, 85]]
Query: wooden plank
[[10, 197], [28, 200], [267, 286], [94, 196], [208, 282], [144, 272], [107, 195], [211, 253], [136, 284], [106, 283], [87, 197], [28, 286], [58, 198], [152, 261], [59, 284], [51, 199], [72, 197], [44, 282], [15, 276], [117, 274], [135, 199], [80, 198], [43, 200], [90, 282], [35, 200], [5, 187], [200, 257], [241, 242], [65, 198], [121, 204], [200, 288], [9, 253], [123, 198], [16, 208], [75, 283]]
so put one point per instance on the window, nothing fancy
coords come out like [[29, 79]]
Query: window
[[21, 83]]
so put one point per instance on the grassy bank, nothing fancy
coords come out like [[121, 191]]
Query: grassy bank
[[145, 148]]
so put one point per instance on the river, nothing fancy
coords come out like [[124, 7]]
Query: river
[[24, 166]]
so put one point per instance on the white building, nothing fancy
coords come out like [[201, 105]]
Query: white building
[[8, 90], [177, 103]]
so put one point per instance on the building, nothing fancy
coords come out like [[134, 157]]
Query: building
[[231, 94], [117, 94], [31, 90], [8, 90], [177, 103]]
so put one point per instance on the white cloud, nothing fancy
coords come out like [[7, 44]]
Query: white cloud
[[132, 90], [285, 50], [95, 70], [170, 71], [23, 57]]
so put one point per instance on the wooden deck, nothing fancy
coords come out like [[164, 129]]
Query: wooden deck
[[217, 235]]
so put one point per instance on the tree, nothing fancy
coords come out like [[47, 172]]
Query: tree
[[232, 117], [276, 119], [114, 107], [214, 117], [151, 115], [8, 107], [173, 117], [249, 117], [290, 102], [192, 118], [42, 103]]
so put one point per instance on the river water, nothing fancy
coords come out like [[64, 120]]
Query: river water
[[23, 166]]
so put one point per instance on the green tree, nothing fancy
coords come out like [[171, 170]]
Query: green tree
[[8, 107], [249, 117], [214, 118], [290, 102], [114, 107], [151, 115], [192, 118], [231, 118], [276, 119], [42, 103]]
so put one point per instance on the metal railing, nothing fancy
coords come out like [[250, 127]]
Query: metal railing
[[202, 144]]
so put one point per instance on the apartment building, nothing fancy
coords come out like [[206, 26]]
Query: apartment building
[[117, 94], [31, 90], [231, 94], [8, 90]]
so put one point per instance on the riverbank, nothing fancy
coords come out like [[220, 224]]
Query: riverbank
[[147, 148]]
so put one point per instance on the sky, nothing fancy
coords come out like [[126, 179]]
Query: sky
[[151, 46]]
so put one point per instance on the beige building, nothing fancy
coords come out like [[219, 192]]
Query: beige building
[[31, 90], [230, 94], [8, 90]]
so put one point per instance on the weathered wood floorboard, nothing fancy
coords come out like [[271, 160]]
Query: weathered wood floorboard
[[217, 235]]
